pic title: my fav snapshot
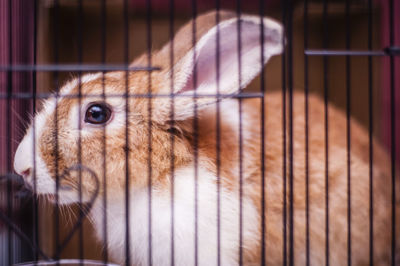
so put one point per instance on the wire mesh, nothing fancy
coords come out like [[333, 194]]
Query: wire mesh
[[231, 178]]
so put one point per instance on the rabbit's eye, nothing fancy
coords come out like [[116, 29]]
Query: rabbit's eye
[[97, 114]]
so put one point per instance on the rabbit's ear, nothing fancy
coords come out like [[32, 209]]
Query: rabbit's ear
[[208, 69]]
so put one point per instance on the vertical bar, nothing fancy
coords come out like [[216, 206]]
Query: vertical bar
[[326, 91], [56, 85], [172, 136], [126, 61], [218, 133], [34, 88], [103, 61], [80, 57], [284, 166], [239, 44], [306, 129], [3, 119], [370, 134], [393, 132], [290, 88], [149, 44], [196, 131], [4, 82], [9, 133], [262, 125], [348, 131]]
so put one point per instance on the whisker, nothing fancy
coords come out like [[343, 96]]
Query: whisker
[[23, 121], [11, 139], [71, 214]]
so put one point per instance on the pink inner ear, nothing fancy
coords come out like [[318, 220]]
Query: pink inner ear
[[206, 77], [205, 71]]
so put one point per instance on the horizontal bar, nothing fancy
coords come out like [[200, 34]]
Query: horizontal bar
[[65, 262], [28, 96], [76, 67], [344, 53]]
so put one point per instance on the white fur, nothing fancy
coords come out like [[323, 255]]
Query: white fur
[[24, 156], [24, 160], [89, 77], [184, 222]]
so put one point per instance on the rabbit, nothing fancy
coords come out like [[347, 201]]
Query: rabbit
[[190, 164]]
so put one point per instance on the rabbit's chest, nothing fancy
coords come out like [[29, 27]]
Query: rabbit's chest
[[187, 223]]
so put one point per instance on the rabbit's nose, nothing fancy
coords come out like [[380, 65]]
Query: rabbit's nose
[[26, 173]]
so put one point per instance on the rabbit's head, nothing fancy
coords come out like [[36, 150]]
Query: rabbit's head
[[114, 121]]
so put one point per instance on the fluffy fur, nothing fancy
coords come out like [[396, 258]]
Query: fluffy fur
[[229, 162]]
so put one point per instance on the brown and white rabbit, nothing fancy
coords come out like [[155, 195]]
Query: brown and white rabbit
[[149, 129]]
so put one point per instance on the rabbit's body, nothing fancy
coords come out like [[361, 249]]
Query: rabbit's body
[[207, 203], [212, 168]]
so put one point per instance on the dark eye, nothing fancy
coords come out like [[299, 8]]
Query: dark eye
[[97, 113]]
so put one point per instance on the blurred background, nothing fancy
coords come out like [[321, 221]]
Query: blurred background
[[94, 31]]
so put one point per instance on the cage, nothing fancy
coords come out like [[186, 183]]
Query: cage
[[321, 119]]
